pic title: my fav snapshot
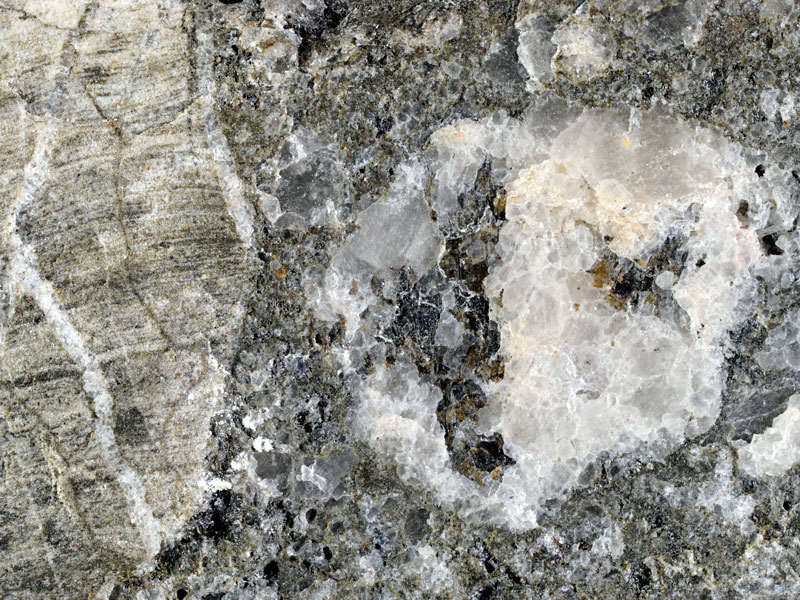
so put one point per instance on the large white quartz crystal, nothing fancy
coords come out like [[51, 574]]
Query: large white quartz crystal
[[585, 375]]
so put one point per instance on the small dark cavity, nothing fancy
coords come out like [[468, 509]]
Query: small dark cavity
[[769, 245], [214, 522], [487, 564], [383, 125], [326, 552], [271, 570], [742, 213], [760, 170], [489, 454], [336, 332], [629, 285], [625, 288], [311, 29], [643, 576], [171, 557], [181, 594]]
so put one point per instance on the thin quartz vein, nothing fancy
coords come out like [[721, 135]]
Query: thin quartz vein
[[230, 184], [27, 280]]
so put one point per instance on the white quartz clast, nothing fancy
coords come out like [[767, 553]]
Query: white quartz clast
[[583, 377]]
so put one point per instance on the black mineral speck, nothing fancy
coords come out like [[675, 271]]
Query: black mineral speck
[[214, 521], [487, 593], [271, 570], [642, 576], [383, 124], [769, 245]]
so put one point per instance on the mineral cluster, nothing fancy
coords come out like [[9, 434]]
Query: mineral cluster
[[332, 299]]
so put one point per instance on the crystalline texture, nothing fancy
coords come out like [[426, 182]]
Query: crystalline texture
[[623, 264], [585, 375], [778, 448]]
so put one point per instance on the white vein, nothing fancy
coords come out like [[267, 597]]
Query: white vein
[[231, 185], [25, 277]]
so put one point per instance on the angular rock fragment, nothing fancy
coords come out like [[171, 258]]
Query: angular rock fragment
[[123, 278]]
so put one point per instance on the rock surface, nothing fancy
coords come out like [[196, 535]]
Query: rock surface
[[341, 299]]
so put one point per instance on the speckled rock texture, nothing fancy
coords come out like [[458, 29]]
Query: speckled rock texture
[[439, 299]]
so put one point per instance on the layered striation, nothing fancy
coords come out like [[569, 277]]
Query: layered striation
[[125, 260]]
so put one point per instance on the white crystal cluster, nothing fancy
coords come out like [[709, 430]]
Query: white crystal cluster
[[583, 376], [398, 416], [782, 348], [393, 232], [582, 46], [778, 448]]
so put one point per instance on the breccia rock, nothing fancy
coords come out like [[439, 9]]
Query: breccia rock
[[335, 299]]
